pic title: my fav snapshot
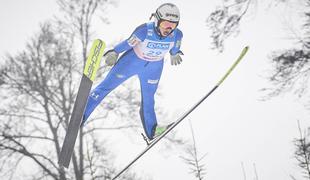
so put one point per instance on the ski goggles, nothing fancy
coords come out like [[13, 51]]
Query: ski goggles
[[167, 24]]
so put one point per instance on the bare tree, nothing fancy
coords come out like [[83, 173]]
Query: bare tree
[[291, 72], [255, 172], [79, 16], [193, 159], [225, 21], [245, 174], [302, 153], [291, 67], [38, 92], [243, 171]]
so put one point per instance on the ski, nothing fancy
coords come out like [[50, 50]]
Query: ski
[[155, 141], [89, 74]]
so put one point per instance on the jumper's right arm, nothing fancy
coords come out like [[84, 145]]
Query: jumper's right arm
[[136, 37]]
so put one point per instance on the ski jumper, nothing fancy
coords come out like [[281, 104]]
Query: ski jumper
[[143, 56]]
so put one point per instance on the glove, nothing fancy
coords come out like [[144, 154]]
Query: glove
[[110, 57], [176, 59]]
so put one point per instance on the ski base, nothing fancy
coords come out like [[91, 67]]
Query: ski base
[[89, 73]]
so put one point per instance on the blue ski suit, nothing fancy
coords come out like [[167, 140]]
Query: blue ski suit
[[143, 56]]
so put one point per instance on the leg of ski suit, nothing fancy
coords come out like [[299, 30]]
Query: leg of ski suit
[[122, 70], [149, 78]]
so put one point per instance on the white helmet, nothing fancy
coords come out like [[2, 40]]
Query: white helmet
[[168, 12]]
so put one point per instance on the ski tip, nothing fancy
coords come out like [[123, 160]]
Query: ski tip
[[101, 41], [246, 48]]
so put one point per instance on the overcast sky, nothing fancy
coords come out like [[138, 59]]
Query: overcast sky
[[232, 126]]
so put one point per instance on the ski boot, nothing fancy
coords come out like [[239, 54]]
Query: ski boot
[[159, 130]]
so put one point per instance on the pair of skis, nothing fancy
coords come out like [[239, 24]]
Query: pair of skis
[[89, 74]]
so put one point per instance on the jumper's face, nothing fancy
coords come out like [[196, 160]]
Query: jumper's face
[[166, 27]]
